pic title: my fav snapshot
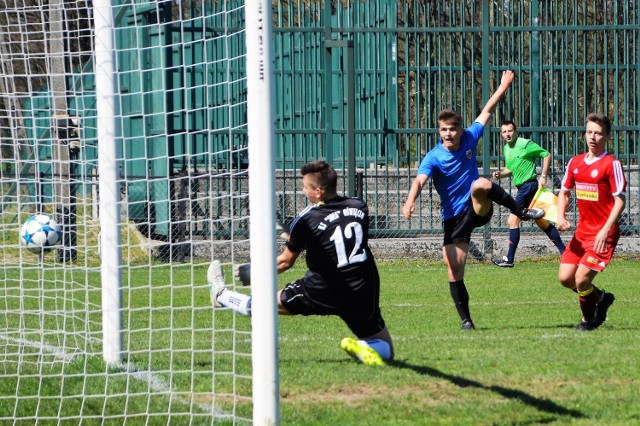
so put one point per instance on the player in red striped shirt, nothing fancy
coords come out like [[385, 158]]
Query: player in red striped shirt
[[599, 185]]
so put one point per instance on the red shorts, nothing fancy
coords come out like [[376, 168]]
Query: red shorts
[[580, 252]]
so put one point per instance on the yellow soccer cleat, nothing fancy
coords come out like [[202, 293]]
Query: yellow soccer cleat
[[359, 350]]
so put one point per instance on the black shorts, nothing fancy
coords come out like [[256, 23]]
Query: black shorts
[[357, 306], [458, 229]]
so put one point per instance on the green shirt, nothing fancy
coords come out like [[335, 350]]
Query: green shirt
[[521, 159]]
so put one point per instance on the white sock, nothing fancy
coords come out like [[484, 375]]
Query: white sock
[[241, 303]]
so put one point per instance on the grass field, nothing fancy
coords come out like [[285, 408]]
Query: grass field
[[525, 364]]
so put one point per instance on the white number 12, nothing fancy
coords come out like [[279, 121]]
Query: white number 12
[[352, 230]]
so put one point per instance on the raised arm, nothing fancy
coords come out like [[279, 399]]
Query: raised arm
[[490, 106]]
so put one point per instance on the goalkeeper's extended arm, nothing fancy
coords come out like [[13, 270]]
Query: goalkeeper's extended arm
[[242, 272]]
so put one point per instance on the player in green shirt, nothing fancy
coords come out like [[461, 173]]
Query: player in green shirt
[[520, 162]]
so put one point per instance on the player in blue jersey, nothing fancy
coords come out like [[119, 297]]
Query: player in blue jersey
[[342, 278], [466, 198]]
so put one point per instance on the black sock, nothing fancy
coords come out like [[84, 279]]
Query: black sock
[[498, 195], [554, 236], [460, 298], [588, 304], [514, 240]]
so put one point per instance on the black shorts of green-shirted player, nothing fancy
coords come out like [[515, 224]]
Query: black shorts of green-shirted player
[[338, 284]]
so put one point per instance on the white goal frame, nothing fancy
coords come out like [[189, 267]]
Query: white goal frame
[[262, 219], [108, 327]]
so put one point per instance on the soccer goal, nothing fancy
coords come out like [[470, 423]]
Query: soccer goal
[[141, 128]]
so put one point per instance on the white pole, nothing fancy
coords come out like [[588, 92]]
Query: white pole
[[109, 190], [260, 116]]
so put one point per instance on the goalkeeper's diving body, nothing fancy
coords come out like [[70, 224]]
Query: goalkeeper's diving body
[[342, 278]]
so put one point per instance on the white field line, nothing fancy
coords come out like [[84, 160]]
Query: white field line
[[43, 347], [156, 382]]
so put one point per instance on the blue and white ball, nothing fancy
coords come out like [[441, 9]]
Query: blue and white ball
[[40, 233]]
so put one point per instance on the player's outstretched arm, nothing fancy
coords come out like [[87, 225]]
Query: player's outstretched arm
[[490, 106]]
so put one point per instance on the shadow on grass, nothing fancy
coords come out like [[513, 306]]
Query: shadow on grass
[[541, 404]]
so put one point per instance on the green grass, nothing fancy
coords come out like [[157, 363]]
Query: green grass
[[525, 364]]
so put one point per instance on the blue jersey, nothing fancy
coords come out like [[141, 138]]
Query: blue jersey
[[454, 172]]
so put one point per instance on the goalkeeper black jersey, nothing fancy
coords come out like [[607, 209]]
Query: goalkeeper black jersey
[[335, 237]]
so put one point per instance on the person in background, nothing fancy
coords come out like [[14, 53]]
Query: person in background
[[598, 182], [520, 157]]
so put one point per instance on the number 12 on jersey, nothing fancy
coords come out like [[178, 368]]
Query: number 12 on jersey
[[353, 231]]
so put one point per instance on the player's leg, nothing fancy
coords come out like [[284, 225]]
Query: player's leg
[[457, 235], [514, 239], [523, 198], [455, 258], [483, 191], [361, 313], [592, 262], [381, 342], [594, 303], [552, 232], [588, 296], [372, 350], [579, 265], [221, 296]]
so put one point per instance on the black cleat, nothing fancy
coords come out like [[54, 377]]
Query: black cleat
[[586, 326], [467, 325], [503, 263], [603, 305], [531, 214]]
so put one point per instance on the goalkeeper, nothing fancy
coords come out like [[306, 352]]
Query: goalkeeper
[[342, 278], [520, 162]]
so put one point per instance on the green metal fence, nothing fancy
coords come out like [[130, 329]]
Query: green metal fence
[[360, 84], [413, 59]]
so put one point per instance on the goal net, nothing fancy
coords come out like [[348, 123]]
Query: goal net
[[126, 122]]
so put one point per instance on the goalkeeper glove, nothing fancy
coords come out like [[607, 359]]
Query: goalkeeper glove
[[242, 273]]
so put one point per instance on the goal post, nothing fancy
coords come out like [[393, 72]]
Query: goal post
[[156, 118], [262, 214], [108, 184]]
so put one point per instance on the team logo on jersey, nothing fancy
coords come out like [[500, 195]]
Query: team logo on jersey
[[594, 173], [469, 154], [587, 191]]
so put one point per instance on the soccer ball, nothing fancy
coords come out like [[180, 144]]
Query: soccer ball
[[40, 233]]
